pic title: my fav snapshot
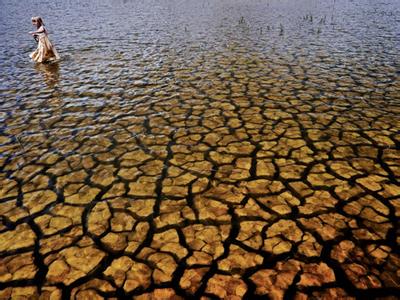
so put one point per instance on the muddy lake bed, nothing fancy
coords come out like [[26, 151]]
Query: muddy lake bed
[[201, 150]]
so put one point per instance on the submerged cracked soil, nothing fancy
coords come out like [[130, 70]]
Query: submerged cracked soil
[[257, 162]]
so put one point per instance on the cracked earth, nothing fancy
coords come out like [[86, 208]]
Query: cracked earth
[[241, 177]]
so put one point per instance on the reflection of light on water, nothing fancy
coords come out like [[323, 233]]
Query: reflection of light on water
[[50, 73]]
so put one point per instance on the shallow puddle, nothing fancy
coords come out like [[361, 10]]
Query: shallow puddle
[[201, 149]]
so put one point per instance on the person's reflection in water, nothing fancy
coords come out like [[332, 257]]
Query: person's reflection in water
[[50, 73]]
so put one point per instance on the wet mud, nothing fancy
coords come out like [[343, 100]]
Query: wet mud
[[203, 150]]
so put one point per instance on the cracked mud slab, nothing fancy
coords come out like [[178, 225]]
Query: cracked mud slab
[[258, 164]]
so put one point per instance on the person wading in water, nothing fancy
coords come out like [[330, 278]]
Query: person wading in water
[[45, 51]]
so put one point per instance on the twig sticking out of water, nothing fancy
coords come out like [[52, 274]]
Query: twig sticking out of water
[[20, 144], [308, 18]]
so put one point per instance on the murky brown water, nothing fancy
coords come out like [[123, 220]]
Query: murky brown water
[[215, 149]]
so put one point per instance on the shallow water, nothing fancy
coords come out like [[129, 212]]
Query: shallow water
[[201, 148]]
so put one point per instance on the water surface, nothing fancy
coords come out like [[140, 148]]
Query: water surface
[[201, 148]]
